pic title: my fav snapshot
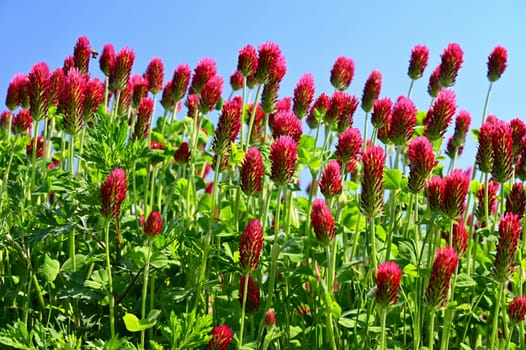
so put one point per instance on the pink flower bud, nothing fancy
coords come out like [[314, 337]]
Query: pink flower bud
[[250, 246], [39, 90], [269, 97], [270, 318], [331, 180], [342, 73], [444, 267], [516, 200], [434, 87], [154, 75], [82, 54], [322, 222], [180, 81], [502, 142], [139, 89], [153, 225], [182, 154], [435, 193], [252, 171], [421, 162], [509, 232], [348, 146], [40, 147], [113, 193], [318, 110], [460, 237], [22, 122], [440, 115], [236, 81], [387, 281], [418, 62], [203, 72], [403, 121], [517, 309], [372, 204], [71, 101], [381, 112], [56, 82], [210, 94], [144, 114], [283, 156], [518, 131], [271, 64], [493, 188], [456, 186], [94, 96], [371, 90], [286, 123], [107, 59], [497, 63], [303, 95], [451, 62], [247, 61], [17, 91], [228, 126], [462, 124], [484, 157], [221, 338], [121, 69]]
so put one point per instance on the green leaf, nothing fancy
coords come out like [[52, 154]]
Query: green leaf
[[392, 179], [133, 324], [159, 260], [49, 269], [465, 281]]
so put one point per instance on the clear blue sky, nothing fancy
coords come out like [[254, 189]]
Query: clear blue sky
[[312, 34]]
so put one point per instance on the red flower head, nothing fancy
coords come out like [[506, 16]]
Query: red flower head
[[460, 237], [484, 157], [113, 192], [283, 156], [342, 73], [144, 113], [286, 123], [461, 128], [203, 72], [71, 101], [271, 64], [435, 193], [139, 89], [256, 135], [107, 59], [17, 92], [191, 104], [493, 188], [502, 142], [387, 281], [6, 120], [154, 75], [318, 110], [517, 309], [371, 90], [56, 82], [518, 130], [153, 225], [322, 222], [421, 163], [346, 118], [124, 101], [228, 126], [440, 115], [269, 97], [348, 146], [516, 200], [456, 186], [40, 147], [270, 318], [210, 94], [247, 61], [252, 304], [418, 62], [434, 87], [167, 100], [81, 54], [284, 104], [236, 81], [121, 69], [520, 166], [252, 171], [250, 246], [444, 267], [509, 232], [94, 96], [384, 133], [453, 151], [156, 156], [39, 90], [221, 338], [331, 180], [69, 63], [180, 82], [372, 204], [21, 122], [497, 63], [251, 81], [403, 121], [452, 59], [182, 155], [303, 95], [381, 111]]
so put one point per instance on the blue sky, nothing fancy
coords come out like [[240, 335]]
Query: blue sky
[[312, 34]]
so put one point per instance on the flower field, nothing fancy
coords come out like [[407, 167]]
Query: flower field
[[164, 210]]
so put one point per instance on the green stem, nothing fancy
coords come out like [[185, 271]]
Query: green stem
[[252, 117], [33, 159], [145, 288], [495, 323], [330, 273], [431, 330], [410, 88], [486, 200], [72, 248], [486, 103], [365, 131], [383, 343], [243, 99], [115, 107], [151, 120], [243, 308], [275, 251], [110, 280], [372, 234]]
